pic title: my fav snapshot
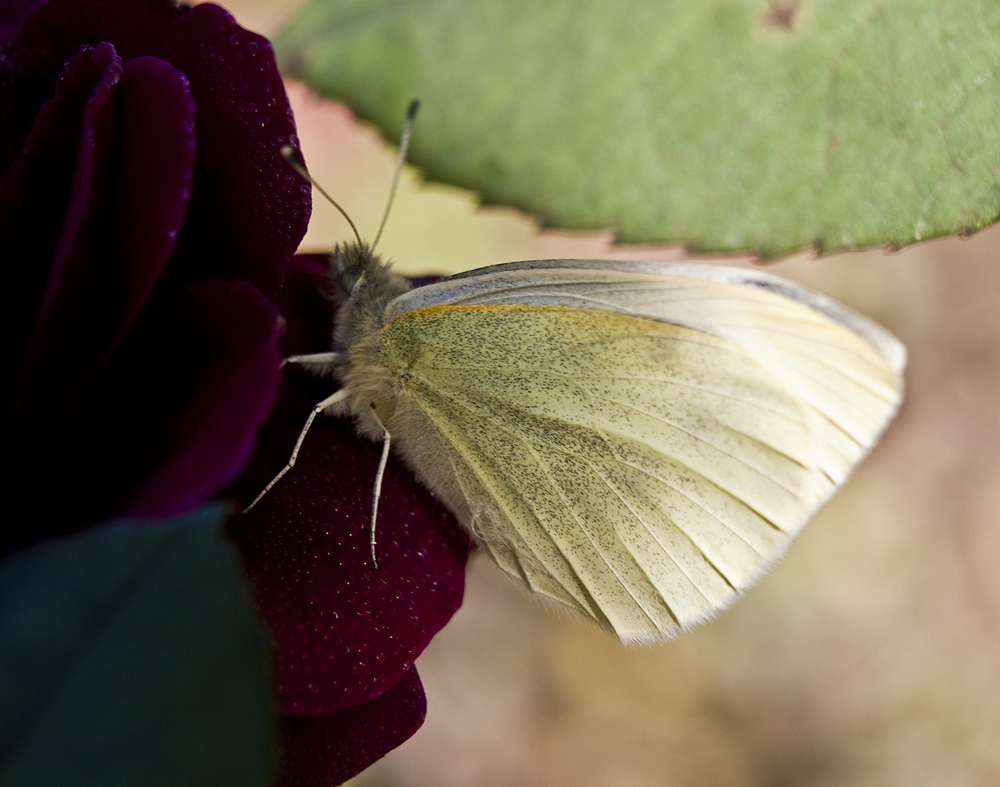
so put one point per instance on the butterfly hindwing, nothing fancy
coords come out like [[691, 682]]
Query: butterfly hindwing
[[636, 445]]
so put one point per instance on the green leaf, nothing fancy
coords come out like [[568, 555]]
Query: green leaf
[[732, 125], [129, 655]]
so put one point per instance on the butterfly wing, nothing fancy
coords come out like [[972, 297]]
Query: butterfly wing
[[638, 442]]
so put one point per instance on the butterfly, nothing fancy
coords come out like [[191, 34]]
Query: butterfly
[[638, 442]]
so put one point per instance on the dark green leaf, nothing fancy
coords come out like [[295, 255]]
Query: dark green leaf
[[728, 124], [129, 655]]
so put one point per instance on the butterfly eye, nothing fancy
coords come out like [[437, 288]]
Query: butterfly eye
[[347, 270]]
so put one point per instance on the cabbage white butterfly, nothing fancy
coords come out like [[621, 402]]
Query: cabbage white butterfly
[[636, 441]]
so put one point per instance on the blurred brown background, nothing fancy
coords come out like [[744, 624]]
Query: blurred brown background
[[869, 656]]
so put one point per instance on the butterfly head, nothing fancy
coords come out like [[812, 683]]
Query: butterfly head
[[363, 275]]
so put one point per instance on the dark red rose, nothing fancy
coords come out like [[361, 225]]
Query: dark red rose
[[345, 633], [146, 222], [326, 750]]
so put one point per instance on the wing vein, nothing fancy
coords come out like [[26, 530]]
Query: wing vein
[[500, 426], [586, 532], [632, 378], [446, 436], [707, 442], [662, 546], [702, 506]]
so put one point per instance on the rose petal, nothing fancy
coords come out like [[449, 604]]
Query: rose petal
[[156, 153], [308, 303], [321, 751], [126, 207], [173, 417], [249, 192], [249, 209], [238, 363], [11, 14], [344, 631], [34, 196]]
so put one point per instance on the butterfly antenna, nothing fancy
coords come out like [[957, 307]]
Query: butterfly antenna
[[288, 154], [404, 143]]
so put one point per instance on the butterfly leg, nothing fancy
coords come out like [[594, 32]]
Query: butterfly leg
[[320, 407], [378, 488], [314, 358]]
